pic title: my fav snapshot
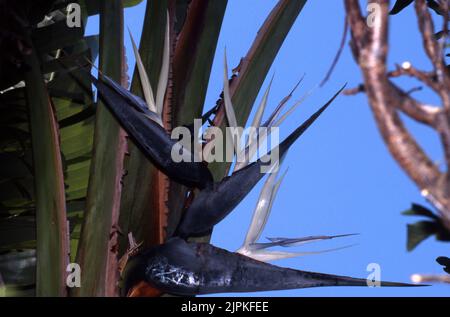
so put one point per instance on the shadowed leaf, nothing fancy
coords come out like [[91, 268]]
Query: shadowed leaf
[[400, 5], [445, 262], [97, 251], [51, 221], [421, 230], [418, 210]]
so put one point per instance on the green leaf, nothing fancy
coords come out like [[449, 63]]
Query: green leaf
[[194, 54], [85, 50], [71, 94], [443, 234], [97, 255], [421, 230], [136, 214], [165, 69], [60, 34], [229, 109], [418, 210], [16, 230], [439, 35], [435, 6], [193, 59], [445, 262], [400, 5], [418, 232], [51, 220]]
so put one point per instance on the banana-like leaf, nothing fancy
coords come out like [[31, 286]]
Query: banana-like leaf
[[164, 73], [16, 181], [60, 34], [97, 250], [16, 230], [76, 121], [194, 55], [70, 92], [51, 221], [138, 212], [192, 62], [197, 26]]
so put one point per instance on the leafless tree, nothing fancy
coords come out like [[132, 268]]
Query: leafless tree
[[370, 47]]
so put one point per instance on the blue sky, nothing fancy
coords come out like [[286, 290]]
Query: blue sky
[[341, 177]]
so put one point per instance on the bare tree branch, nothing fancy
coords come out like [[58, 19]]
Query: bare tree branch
[[428, 78], [432, 48], [370, 49], [430, 278], [420, 112], [435, 53]]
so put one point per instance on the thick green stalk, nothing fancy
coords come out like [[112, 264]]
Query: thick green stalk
[[51, 222], [194, 56], [192, 64], [199, 26], [97, 252], [136, 215]]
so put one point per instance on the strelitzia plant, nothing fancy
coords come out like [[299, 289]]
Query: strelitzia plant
[[84, 174], [180, 267]]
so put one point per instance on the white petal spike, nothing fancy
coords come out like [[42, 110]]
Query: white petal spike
[[231, 116], [145, 82], [281, 105], [262, 107], [229, 109], [290, 242], [268, 256], [253, 137], [291, 109], [275, 189], [164, 73], [262, 209], [250, 150], [252, 147]]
